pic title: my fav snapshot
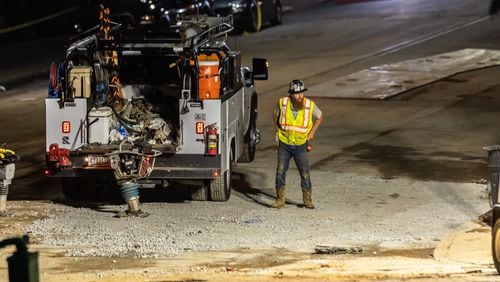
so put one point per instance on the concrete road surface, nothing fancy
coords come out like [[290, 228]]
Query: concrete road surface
[[404, 178]]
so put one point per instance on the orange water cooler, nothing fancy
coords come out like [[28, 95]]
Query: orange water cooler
[[209, 77]]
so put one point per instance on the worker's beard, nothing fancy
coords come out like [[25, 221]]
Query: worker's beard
[[298, 105]]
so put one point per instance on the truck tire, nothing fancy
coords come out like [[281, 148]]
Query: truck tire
[[71, 189], [254, 18], [248, 152], [495, 244], [199, 193], [220, 187], [82, 189]]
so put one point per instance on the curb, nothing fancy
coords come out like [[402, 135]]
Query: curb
[[468, 245], [24, 78]]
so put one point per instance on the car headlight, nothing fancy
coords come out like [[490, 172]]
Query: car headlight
[[238, 7], [194, 6], [147, 19]]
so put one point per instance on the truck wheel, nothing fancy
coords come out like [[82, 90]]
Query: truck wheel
[[86, 189], [71, 189], [252, 134], [495, 244], [220, 187], [248, 154], [199, 193], [255, 18]]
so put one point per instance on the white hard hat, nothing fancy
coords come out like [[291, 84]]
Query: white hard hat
[[296, 86]]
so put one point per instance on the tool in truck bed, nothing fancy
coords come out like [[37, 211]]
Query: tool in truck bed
[[178, 88]]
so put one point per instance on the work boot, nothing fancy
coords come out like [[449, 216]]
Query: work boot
[[307, 197], [280, 198]]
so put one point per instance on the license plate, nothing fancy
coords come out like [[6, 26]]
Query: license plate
[[98, 161]]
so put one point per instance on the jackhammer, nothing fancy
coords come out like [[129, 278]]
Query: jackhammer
[[129, 166], [7, 169], [23, 265]]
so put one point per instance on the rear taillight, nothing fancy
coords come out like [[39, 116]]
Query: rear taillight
[[200, 127], [66, 126]]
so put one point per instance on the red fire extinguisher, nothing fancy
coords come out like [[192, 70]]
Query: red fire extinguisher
[[212, 140]]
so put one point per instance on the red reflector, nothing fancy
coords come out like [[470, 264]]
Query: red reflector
[[200, 127], [66, 126], [216, 173], [46, 172]]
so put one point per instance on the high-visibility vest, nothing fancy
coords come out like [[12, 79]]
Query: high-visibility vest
[[294, 131]]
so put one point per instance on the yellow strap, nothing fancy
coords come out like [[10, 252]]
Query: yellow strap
[[6, 151]]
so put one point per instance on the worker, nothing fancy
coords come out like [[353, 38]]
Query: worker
[[297, 118]]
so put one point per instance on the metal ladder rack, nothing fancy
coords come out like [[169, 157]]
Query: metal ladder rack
[[187, 34]]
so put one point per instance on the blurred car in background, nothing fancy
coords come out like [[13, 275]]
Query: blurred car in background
[[141, 12], [250, 15]]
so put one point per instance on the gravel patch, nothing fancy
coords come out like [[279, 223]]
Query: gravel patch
[[351, 210]]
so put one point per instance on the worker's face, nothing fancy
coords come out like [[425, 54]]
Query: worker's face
[[298, 99]]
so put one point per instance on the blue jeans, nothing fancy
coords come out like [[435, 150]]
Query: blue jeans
[[299, 155]]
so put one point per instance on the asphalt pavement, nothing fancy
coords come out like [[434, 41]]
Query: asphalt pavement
[[26, 61], [469, 245]]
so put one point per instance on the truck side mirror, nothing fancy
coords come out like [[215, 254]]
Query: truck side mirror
[[259, 68]]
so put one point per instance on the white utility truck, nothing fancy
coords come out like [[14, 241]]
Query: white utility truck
[[149, 106]]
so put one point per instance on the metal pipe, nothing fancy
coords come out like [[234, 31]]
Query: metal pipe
[[130, 193], [3, 205], [4, 190]]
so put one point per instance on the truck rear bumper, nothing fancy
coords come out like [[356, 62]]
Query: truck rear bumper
[[166, 167]]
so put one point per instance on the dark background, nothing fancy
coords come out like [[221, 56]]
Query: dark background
[[14, 13]]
